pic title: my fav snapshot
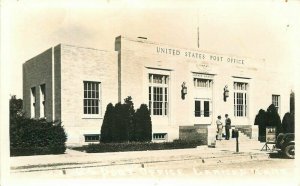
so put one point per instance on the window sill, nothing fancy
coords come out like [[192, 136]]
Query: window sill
[[92, 117]]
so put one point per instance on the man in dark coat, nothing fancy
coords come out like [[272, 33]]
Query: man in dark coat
[[227, 126]]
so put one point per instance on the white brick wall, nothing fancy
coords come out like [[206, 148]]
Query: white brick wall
[[80, 64], [73, 65], [137, 55]]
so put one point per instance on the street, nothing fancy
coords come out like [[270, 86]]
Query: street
[[271, 168]]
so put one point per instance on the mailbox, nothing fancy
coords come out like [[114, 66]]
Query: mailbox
[[235, 133]]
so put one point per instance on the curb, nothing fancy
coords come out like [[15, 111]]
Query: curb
[[144, 162]]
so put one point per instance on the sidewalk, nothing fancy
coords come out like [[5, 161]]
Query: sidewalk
[[75, 159]]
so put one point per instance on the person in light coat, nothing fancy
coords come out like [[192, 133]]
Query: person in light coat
[[219, 128]]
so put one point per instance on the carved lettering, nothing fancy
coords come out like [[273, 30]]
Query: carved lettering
[[198, 55]]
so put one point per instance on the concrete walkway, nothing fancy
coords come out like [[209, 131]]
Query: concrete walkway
[[74, 159]]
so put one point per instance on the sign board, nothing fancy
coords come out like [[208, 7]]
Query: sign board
[[270, 134]]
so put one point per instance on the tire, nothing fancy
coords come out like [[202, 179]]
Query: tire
[[289, 151]]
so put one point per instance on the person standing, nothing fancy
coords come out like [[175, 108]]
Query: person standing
[[227, 126], [219, 127]]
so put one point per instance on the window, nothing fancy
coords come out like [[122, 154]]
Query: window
[[91, 101], [202, 113], [42, 100], [203, 83], [32, 101], [160, 136], [91, 137], [197, 108], [276, 102], [240, 99], [158, 94], [206, 109]]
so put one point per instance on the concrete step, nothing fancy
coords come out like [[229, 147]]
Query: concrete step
[[241, 146], [243, 143]]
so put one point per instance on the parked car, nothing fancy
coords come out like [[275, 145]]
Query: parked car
[[285, 143]]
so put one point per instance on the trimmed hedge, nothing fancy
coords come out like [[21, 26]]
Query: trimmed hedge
[[122, 123], [137, 146], [269, 118], [33, 137]]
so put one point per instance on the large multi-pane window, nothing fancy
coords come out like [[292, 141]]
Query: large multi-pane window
[[158, 94], [33, 101], [240, 99], [91, 101], [276, 102]]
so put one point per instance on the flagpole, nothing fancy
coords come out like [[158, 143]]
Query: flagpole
[[198, 36]]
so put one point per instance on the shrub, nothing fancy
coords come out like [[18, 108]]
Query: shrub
[[108, 122], [129, 107], [138, 146], [143, 124], [260, 120], [288, 123], [31, 137], [269, 118], [122, 124], [273, 118]]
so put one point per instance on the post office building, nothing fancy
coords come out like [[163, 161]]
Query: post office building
[[185, 89]]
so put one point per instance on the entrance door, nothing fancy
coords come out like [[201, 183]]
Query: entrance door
[[202, 111]]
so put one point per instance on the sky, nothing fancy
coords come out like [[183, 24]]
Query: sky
[[264, 29]]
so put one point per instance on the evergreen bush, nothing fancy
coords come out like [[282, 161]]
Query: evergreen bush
[[122, 124], [273, 119], [129, 106], [288, 123], [269, 118], [30, 136], [261, 120], [108, 122], [143, 124]]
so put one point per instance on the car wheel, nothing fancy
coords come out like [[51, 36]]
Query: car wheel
[[289, 151]]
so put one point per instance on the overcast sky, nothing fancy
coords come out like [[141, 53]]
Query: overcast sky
[[257, 29]]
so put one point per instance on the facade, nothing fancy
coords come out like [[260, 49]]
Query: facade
[[185, 89]]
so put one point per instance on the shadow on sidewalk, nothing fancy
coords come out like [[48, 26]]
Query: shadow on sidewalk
[[277, 155]]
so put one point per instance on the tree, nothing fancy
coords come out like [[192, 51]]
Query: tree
[[292, 103], [108, 122], [15, 107], [143, 130]]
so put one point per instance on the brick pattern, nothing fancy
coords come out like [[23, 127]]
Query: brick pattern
[[38, 71], [124, 72], [80, 64]]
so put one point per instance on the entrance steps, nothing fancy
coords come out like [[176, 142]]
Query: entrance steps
[[245, 143]]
